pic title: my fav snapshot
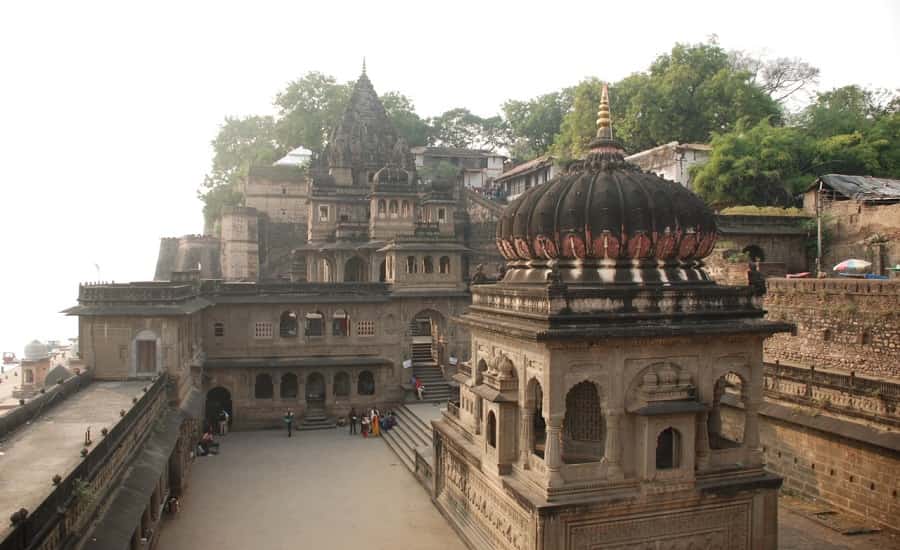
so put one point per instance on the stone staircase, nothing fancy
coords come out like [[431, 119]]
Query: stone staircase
[[426, 369], [409, 436], [316, 419]]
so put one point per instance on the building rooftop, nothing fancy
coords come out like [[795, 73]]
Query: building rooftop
[[454, 152], [673, 146], [861, 188], [51, 444], [525, 167]]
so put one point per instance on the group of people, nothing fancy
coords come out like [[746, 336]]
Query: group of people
[[371, 422], [207, 444]]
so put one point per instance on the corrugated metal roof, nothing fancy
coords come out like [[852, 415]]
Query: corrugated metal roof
[[861, 188]]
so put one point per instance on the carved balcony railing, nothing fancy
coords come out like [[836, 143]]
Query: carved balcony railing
[[844, 393], [135, 292], [452, 409]]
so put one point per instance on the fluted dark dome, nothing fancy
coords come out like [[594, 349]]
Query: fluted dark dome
[[604, 221], [605, 208]]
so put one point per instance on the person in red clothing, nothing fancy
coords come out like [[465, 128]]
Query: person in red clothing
[[420, 389]]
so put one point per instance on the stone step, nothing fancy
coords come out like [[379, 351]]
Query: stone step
[[414, 422], [401, 450]]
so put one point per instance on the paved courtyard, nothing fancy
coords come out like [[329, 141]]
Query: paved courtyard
[[318, 489]]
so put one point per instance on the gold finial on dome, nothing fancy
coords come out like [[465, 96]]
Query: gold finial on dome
[[604, 122]]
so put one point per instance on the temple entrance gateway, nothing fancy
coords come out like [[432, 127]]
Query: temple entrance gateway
[[217, 399], [315, 391]]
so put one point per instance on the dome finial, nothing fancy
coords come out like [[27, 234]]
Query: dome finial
[[364, 65], [604, 122]]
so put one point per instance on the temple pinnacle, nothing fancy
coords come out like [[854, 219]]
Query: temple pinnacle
[[364, 65], [604, 122]]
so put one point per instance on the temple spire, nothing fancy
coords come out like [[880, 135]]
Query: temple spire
[[364, 65], [604, 122], [605, 142]]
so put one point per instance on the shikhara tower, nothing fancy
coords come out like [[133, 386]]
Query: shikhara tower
[[612, 395]]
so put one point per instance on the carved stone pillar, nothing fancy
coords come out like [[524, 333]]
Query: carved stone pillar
[[527, 434], [478, 414], [702, 446], [553, 450], [612, 451], [751, 421]]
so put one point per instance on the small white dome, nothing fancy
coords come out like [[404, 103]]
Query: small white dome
[[35, 351]]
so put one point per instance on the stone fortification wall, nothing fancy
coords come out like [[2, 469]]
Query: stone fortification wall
[[846, 324], [240, 244], [186, 253], [833, 437]]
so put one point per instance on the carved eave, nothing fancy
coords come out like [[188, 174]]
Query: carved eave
[[495, 396]]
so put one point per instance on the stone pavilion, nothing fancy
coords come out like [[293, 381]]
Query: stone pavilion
[[591, 415]]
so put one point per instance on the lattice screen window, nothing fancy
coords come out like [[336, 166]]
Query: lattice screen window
[[365, 328], [263, 329]]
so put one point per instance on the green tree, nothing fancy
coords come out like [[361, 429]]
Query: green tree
[[308, 108], [240, 143], [845, 110], [402, 113], [760, 164], [579, 125], [686, 95], [461, 128], [534, 123]]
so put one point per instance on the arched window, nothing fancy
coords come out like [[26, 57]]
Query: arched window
[[392, 209], [583, 429], [445, 264], [342, 384], [534, 398], [404, 209], [491, 431], [315, 324], [428, 264], [668, 449], [727, 418], [355, 270], [410, 264], [382, 271], [382, 208], [325, 271], [289, 386], [288, 328], [366, 383], [262, 388], [298, 267], [28, 375], [340, 323]]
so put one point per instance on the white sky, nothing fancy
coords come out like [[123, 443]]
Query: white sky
[[107, 108]]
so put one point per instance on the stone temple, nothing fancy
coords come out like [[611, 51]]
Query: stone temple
[[604, 392], [591, 414]]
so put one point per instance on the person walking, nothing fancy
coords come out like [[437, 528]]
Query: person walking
[[289, 420], [352, 418], [376, 423], [223, 422]]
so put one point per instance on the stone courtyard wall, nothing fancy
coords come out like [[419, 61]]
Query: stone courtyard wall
[[846, 324], [833, 438]]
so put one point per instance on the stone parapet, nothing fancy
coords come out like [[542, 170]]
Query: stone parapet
[[145, 292], [845, 324]]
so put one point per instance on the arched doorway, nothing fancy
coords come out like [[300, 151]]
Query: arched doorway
[[315, 391], [355, 271], [217, 400], [426, 329]]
